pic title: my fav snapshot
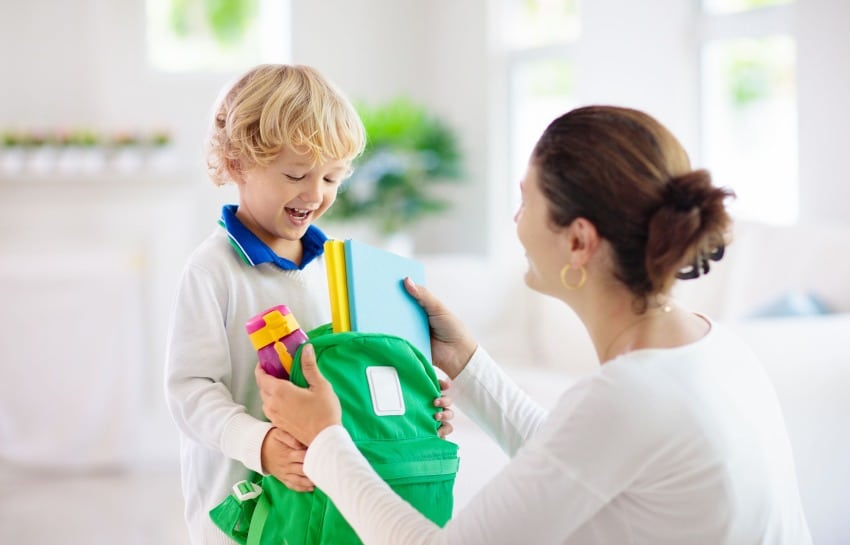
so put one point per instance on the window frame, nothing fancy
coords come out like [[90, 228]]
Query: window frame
[[513, 58]]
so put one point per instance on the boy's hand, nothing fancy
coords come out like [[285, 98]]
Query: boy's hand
[[447, 414], [283, 456]]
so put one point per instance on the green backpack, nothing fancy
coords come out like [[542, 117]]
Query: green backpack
[[386, 388]]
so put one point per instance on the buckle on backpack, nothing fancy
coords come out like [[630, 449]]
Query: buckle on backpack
[[246, 490]]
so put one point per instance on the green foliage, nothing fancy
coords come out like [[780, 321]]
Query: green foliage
[[9, 139], [83, 138], [227, 20], [178, 15], [408, 151], [757, 70], [750, 81]]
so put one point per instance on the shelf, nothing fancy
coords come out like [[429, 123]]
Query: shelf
[[101, 178], [52, 166]]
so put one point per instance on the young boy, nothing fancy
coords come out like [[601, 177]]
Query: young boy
[[286, 137]]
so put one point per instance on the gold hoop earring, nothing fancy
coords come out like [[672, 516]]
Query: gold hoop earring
[[581, 280]]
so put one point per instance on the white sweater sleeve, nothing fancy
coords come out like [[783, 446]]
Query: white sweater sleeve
[[500, 514], [199, 373], [496, 404]]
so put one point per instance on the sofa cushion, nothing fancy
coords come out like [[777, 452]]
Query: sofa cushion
[[793, 304], [765, 263], [771, 261]]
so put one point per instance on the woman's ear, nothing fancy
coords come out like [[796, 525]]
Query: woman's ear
[[583, 239]]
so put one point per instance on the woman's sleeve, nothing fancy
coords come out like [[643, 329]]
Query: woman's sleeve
[[496, 404], [534, 499]]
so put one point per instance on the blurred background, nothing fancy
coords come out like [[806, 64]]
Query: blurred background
[[103, 190]]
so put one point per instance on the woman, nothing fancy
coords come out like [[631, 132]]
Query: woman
[[677, 437]]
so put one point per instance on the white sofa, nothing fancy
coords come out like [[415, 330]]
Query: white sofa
[[544, 347]]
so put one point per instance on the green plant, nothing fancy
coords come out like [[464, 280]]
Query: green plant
[[10, 139], [408, 151], [159, 138], [84, 138]]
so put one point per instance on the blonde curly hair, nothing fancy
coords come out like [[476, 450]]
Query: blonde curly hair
[[277, 105]]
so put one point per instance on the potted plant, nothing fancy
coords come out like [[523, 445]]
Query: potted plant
[[160, 153], [11, 152], [87, 147], [409, 150]]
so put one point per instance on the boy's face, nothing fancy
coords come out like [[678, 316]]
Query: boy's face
[[277, 202]]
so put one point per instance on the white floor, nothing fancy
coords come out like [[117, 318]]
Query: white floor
[[145, 507], [139, 507]]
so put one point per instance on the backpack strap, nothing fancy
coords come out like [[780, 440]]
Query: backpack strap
[[258, 520], [235, 515], [395, 470]]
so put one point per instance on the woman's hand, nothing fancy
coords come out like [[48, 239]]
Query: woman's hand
[[303, 412], [283, 456], [451, 343], [447, 414]]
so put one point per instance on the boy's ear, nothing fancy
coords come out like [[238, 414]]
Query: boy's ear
[[234, 169]]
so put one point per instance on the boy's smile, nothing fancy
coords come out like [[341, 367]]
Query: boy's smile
[[297, 214]]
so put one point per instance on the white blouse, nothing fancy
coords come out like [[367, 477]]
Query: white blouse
[[680, 446]]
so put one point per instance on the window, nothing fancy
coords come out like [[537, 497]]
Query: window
[[538, 37], [737, 6], [221, 35], [749, 116]]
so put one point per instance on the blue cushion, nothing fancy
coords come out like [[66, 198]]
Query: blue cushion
[[793, 304]]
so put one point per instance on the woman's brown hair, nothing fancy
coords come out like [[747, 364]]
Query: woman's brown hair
[[627, 174]]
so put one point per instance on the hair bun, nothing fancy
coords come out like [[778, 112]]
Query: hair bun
[[688, 191], [689, 228]]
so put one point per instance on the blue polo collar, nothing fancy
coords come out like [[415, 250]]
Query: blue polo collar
[[254, 251]]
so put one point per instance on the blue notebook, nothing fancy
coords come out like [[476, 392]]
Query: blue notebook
[[377, 300]]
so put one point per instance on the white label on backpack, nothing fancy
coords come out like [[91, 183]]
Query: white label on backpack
[[385, 388]]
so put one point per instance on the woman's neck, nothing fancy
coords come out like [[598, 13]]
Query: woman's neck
[[633, 333], [615, 327]]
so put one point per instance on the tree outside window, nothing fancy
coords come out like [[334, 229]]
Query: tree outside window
[[749, 117], [216, 35]]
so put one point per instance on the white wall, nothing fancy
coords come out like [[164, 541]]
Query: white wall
[[823, 87], [644, 58]]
